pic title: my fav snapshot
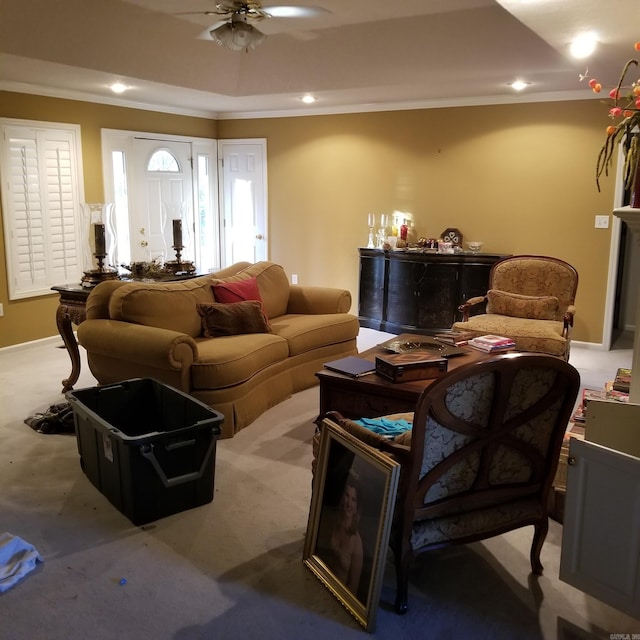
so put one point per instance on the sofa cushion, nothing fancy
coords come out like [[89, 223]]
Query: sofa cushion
[[232, 360], [519, 306], [272, 282], [306, 332], [232, 318], [169, 305], [543, 336]]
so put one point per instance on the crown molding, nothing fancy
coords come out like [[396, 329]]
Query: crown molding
[[560, 96], [81, 96]]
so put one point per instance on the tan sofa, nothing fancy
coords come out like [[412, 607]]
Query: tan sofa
[[139, 329]]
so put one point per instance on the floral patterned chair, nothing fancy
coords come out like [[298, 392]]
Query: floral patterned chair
[[480, 458], [531, 300]]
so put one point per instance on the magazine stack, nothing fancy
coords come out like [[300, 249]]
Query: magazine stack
[[491, 343]]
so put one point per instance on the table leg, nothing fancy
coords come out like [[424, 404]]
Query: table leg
[[63, 322]]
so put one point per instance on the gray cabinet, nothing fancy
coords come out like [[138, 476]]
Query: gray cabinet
[[416, 292], [601, 537]]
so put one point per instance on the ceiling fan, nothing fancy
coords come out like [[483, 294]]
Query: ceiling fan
[[237, 33]]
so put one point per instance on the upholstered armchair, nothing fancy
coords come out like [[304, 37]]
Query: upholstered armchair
[[480, 458], [531, 300]]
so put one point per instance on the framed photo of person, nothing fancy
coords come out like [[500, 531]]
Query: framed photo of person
[[352, 504]]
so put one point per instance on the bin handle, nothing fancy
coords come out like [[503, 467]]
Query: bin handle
[[147, 452], [179, 444]]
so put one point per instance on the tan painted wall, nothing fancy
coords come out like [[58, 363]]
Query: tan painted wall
[[518, 177], [34, 318]]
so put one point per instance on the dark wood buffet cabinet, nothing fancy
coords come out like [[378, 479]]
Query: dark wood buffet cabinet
[[418, 292]]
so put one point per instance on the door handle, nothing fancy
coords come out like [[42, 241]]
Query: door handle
[[259, 236]]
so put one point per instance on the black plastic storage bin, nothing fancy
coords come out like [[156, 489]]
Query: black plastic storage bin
[[149, 448]]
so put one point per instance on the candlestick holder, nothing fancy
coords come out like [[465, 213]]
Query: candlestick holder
[[179, 266], [99, 239], [92, 277]]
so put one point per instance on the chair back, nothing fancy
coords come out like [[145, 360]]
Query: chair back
[[488, 433], [536, 276]]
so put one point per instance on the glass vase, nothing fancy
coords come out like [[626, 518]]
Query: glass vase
[[172, 213], [99, 236]]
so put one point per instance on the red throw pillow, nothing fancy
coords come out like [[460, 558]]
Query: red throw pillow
[[238, 291]]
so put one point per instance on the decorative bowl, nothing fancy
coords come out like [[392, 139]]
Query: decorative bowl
[[474, 246]]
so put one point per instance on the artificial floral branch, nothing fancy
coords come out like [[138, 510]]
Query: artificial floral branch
[[622, 132]]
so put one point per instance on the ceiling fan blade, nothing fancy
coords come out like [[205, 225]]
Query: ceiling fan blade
[[289, 11]]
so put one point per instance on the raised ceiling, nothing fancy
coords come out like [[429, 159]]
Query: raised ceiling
[[358, 55]]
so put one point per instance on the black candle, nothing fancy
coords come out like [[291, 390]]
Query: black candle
[[100, 240], [177, 233]]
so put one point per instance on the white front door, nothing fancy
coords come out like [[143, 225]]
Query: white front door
[[243, 194], [164, 192]]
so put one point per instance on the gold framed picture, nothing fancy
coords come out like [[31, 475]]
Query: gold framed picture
[[350, 517]]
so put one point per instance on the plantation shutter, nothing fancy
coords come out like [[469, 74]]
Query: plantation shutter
[[41, 196]]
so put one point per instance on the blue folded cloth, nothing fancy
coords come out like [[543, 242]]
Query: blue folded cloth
[[17, 558], [384, 426]]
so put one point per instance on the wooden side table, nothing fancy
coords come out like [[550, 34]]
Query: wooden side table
[[71, 310]]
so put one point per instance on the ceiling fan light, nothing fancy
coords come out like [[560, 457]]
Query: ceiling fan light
[[237, 36]]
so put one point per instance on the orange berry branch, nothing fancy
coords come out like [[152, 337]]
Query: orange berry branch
[[626, 115]]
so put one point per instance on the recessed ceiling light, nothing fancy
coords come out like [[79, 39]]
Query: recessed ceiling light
[[519, 85], [584, 45], [308, 99], [118, 87]]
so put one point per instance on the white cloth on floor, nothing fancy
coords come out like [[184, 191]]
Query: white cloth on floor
[[17, 558]]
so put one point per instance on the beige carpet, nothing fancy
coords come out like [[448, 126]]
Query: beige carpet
[[232, 569]]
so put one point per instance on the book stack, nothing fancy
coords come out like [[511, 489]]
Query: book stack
[[455, 338], [622, 381], [618, 388], [491, 343], [579, 414]]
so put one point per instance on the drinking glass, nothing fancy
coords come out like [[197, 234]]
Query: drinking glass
[[371, 221]]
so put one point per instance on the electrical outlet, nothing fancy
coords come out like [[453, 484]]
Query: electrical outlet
[[1, 309], [294, 278], [602, 222]]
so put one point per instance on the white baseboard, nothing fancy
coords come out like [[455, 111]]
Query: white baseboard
[[595, 346], [33, 343]]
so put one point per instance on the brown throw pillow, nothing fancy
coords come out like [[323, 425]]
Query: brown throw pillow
[[519, 306], [232, 318]]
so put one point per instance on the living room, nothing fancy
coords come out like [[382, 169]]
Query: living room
[[518, 176]]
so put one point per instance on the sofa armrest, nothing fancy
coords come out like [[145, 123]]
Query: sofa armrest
[[98, 301], [150, 346], [314, 300], [465, 309]]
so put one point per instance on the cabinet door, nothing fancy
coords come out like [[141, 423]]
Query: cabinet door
[[474, 281], [601, 537], [437, 294], [402, 285], [371, 295]]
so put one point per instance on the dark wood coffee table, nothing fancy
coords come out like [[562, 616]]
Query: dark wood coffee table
[[372, 395]]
